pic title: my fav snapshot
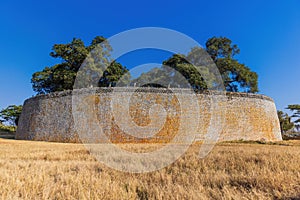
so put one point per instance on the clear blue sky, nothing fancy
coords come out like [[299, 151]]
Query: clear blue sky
[[267, 32]]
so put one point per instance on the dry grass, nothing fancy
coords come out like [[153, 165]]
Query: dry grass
[[40, 170]]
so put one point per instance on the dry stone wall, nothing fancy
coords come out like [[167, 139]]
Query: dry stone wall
[[242, 116]]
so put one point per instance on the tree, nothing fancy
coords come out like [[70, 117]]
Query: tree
[[115, 75], [285, 122], [62, 76], [236, 76], [295, 108], [11, 114], [194, 72]]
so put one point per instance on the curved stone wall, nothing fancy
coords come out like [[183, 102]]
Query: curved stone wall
[[244, 116]]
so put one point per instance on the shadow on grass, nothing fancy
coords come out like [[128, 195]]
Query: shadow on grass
[[282, 143]]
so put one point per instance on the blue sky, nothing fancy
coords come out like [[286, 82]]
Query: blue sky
[[267, 32]]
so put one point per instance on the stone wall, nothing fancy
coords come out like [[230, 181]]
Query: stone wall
[[236, 116]]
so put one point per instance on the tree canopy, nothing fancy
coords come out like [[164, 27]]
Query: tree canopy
[[236, 76], [295, 108], [175, 72], [285, 122], [11, 114], [62, 76]]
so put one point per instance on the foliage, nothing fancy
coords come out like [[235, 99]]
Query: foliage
[[115, 75], [11, 114], [236, 76], [178, 71], [74, 55], [296, 112], [175, 72], [285, 122], [295, 108], [7, 128], [221, 47], [197, 75]]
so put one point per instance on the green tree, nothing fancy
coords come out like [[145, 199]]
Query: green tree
[[236, 76], [11, 114], [295, 108], [285, 122], [73, 55], [182, 71], [193, 73], [115, 75]]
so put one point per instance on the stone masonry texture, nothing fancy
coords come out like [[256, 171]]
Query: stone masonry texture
[[236, 116]]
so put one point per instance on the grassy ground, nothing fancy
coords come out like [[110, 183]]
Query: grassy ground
[[235, 170]]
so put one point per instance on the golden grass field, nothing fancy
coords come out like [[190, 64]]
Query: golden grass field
[[236, 170]]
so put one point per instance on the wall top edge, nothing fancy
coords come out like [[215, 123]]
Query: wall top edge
[[187, 91]]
